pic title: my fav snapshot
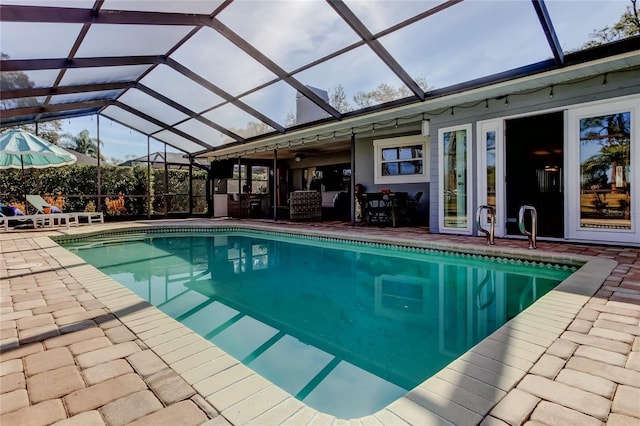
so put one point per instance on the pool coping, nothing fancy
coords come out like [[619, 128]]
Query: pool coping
[[464, 392]]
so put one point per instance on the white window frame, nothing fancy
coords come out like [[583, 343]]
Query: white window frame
[[483, 127], [469, 183], [612, 106], [380, 144]]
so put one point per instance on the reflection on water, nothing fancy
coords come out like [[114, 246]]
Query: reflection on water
[[345, 329]]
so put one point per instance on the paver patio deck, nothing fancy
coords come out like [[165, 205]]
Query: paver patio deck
[[79, 349]]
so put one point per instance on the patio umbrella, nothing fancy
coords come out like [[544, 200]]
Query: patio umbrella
[[20, 149]]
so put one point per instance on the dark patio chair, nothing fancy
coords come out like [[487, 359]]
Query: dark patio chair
[[377, 209]]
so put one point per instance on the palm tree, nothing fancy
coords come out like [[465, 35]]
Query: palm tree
[[612, 132], [83, 143]]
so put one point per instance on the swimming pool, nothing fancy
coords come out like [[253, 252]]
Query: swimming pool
[[346, 328]]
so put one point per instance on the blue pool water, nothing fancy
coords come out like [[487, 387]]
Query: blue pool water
[[345, 328]]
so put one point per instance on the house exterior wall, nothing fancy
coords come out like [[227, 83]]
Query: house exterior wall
[[565, 96]]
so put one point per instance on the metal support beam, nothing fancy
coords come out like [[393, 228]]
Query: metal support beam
[[273, 67], [162, 124], [549, 31], [57, 63], [187, 111], [64, 90], [356, 24]]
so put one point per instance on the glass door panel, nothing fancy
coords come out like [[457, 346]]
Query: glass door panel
[[605, 170], [490, 188], [603, 158], [454, 194]]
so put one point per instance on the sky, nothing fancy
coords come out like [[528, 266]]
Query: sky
[[118, 141], [297, 43]]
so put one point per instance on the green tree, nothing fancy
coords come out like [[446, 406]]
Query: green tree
[[49, 130], [627, 26], [12, 80], [613, 134], [82, 143]]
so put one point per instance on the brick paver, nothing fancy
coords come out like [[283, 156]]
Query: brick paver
[[43, 413], [11, 366], [87, 418], [106, 371], [627, 401], [14, 400], [47, 360], [103, 393], [61, 345], [99, 356], [184, 413], [515, 407], [146, 363], [587, 382], [548, 413], [54, 383], [11, 382], [169, 386], [131, 407], [612, 372]]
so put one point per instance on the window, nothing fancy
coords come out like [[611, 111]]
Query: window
[[401, 160], [239, 174], [259, 179]]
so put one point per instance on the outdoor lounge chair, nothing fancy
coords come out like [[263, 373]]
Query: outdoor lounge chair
[[38, 203], [38, 220]]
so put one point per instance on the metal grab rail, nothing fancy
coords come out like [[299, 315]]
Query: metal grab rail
[[491, 216], [534, 224]]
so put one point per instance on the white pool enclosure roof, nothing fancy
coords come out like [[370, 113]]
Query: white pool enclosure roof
[[204, 75]]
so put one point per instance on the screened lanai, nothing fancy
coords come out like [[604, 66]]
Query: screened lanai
[[260, 79]]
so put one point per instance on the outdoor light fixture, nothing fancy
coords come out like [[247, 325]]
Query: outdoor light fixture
[[425, 127], [604, 81], [551, 93], [486, 104]]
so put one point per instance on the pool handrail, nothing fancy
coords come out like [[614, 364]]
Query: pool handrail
[[532, 236], [491, 217]]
